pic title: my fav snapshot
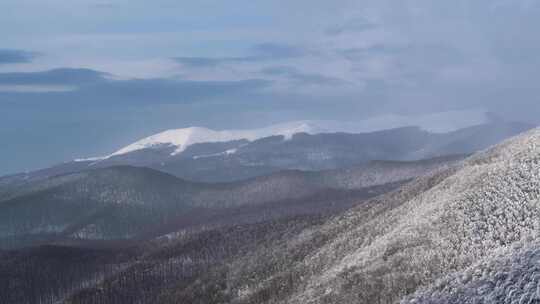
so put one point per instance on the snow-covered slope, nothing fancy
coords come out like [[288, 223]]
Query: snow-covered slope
[[183, 138], [488, 204], [406, 241], [509, 276]]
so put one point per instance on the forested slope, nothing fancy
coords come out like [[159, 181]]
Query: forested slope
[[463, 233], [133, 203]]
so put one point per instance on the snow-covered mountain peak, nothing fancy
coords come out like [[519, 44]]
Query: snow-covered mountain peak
[[183, 138]]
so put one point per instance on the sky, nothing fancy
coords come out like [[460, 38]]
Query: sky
[[82, 78]]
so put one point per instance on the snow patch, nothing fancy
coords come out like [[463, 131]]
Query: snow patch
[[228, 152], [92, 159]]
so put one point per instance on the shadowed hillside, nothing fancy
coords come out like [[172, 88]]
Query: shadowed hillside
[[131, 203]]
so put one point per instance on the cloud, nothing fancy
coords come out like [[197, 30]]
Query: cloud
[[278, 51], [103, 5], [93, 88], [168, 91], [15, 56], [433, 52], [299, 77], [201, 62], [355, 25], [64, 76], [258, 53], [356, 54]]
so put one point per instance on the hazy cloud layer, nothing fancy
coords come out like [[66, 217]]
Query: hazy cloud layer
[[93, 88], [15, 56], [293, 74], [65, 76], [259, 53]]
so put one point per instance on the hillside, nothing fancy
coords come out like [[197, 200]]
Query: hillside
[[130, 202], [443, 236], [407, 239], [464, 232], [508, 276]]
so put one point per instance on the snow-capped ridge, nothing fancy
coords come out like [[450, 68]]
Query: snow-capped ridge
[[180, 139], [183, 138]]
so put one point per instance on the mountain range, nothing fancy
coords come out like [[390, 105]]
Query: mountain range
[[239, 159], [396, 216]]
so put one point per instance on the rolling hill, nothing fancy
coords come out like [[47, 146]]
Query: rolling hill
[[129, 202]]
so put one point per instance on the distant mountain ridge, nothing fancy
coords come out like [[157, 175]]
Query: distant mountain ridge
[[242, 159], [181, 139]]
